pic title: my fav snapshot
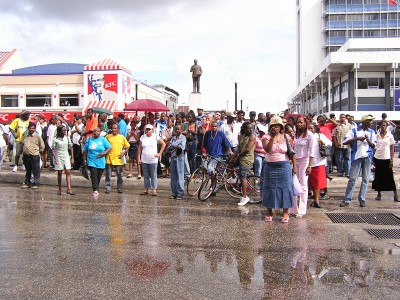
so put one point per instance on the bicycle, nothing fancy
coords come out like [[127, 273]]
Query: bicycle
[[193, 183], [227, 176]]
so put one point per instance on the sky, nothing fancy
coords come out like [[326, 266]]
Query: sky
[[249, 42]]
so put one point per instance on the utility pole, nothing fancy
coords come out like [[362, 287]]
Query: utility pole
[[235, 96], [241, 104]]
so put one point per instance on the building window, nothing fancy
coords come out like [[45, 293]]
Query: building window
[[371, 83], [397, 82], [345, 86], [69, 100], [38, 100], [9, 100]]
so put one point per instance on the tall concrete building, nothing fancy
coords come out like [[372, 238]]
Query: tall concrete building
[[347, 56]]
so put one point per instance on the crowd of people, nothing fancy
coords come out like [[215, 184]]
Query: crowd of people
[[161, 145]]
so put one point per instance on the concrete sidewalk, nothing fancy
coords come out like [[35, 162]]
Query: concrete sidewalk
[[48, 177]]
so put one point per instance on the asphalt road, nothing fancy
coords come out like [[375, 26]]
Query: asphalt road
[[126, 246]]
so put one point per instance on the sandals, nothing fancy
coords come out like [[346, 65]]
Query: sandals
[[377, 198], [129, 176], [284, 220], [139, 177], [144, 193], [59, 192], [268, 219], [70, 193], [154, 194]]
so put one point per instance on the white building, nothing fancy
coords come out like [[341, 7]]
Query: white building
[[347, 56]]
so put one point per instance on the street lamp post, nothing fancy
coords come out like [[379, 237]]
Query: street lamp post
[[241, 104], [235, 96]]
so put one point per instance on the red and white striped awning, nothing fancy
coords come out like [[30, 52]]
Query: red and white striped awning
[[106, 64], [110, 105]]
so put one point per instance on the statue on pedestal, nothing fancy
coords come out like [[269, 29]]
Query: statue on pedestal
[[196, 73]]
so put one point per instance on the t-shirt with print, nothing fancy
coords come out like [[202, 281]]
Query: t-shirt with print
[[94, 147], [149, 148], [20, 127]]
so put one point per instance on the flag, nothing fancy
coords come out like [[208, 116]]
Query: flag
[[392, 2]]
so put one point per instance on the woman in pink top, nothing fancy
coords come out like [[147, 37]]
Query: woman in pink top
[[303, 146], [277, 174]]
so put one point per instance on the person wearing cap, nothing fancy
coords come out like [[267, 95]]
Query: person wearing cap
[[148, 156], [362, 142], [119, 147], [18, 127], [278, 183], [383, 161]]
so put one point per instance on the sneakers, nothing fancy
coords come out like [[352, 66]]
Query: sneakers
[[362, 204], [25, 186], [108, 191], [178, 198], [172, 197], [324, 197], [34, 187], [344, 204], [95, 193], [15, 168], [243, 201]]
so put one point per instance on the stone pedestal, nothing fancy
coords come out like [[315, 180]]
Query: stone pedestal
[[195, 101]]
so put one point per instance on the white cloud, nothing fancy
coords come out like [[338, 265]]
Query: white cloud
[[252, 41]]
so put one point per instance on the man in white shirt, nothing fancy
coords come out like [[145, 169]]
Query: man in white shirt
[[362, 142], [236, 129]]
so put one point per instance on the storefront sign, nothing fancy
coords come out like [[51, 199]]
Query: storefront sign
[[9, 116]]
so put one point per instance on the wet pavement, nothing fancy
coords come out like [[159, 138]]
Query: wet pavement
[[127, 246]]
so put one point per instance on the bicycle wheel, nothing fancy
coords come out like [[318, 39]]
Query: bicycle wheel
[[233, 186], [254, 188], [207, 188], [194, 182]]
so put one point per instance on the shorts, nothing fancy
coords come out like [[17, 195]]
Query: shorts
[[18, 148], [244, 171], [133, 151]]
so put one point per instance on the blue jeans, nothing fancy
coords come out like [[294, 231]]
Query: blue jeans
[[191, 155], [118, 170], [150, 175], [258, 164], [343, 160], [365, 165], [178, 176]]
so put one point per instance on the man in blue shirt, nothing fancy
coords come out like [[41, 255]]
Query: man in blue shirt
[[161, 124], [122, 125], [215, 144]]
